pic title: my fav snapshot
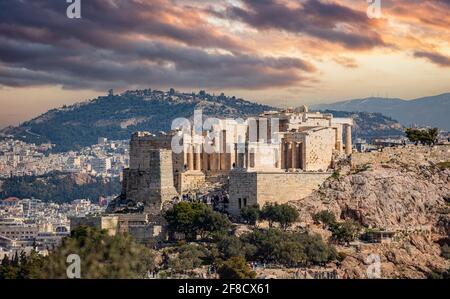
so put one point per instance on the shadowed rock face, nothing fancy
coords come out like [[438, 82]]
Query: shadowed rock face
[[406, 197]]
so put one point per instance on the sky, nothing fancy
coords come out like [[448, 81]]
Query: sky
[[278, 52]]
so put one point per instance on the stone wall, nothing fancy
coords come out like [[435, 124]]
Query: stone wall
[[108, 223], [191, 181], [261, 187], [409, 154], [152, 184], [319, 149], [146, 233]]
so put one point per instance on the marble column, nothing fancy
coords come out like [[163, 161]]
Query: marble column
[[348, 139], [284, 155], [294, 154], [235, 158], [205, 160], [289, 155], [198, 157], [190, 157], [300, 156], [339, 138], [223, 150]]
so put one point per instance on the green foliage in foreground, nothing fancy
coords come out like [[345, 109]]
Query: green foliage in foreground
[[22, 266], [102, 257]]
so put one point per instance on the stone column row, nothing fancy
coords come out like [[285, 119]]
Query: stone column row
[[197, 159], [194, 157], [291, 155]]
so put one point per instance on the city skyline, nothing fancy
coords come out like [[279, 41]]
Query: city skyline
[[273, 52]]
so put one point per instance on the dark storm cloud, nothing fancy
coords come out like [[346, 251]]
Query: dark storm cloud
[[142, 64], [324, 20], [434, 57], [104, 22], [122, 43]]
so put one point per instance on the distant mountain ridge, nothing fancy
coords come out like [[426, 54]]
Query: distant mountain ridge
[[118, 116], [427, 111]]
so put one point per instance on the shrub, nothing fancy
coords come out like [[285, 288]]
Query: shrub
[[445, 251], [236, 268], [190, 256], [325, 217]]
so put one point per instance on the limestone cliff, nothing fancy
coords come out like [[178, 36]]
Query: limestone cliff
[[404, 190]]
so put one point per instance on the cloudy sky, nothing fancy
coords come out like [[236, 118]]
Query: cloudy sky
[[281, 52]]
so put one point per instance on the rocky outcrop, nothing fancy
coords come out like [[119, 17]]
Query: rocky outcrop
[[402, 195], [383, 197]]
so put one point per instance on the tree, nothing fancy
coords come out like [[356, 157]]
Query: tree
[[208, 221], [230, 246], [283, 214], [236, 268], [180, 218], [317, 251], [192, 219], [250, 214], [346, 231], [422, 136], [269, 213], [287, 248], [325, 217]]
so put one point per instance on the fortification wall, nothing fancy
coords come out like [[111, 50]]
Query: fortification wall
[[410, 154], [152, 185], [250, 188]]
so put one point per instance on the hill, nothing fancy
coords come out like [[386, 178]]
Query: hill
[[427, 111], [370, 125], [59, 187], [118, 116]]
